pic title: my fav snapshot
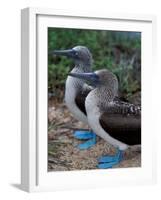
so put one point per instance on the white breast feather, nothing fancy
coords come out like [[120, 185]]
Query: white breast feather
[[93, 115], [70, 94]]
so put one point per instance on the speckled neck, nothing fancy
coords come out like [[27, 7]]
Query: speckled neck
[[80, 68], [101, 97], [78, 83]]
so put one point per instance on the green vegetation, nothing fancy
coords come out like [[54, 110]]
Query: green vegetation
[[118, 51]]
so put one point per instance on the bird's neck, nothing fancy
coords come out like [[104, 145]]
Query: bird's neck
[[100, 97], [81, 67], [78, 83], [75, 85], [105, 94]]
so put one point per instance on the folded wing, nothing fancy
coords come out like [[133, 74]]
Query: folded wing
[[122, 121]]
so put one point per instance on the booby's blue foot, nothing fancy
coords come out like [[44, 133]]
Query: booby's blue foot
[[109, 161], [85, 135], [88, 144]]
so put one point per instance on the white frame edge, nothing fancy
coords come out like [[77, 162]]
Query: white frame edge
[[29, 85], [28, 99]]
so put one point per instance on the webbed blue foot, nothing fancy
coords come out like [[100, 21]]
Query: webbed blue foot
[[85, 135], [109, 161]]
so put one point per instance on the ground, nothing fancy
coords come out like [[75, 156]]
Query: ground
[[63, 154]]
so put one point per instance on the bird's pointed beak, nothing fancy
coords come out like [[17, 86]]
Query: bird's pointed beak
[[92, 78], [69, 53]]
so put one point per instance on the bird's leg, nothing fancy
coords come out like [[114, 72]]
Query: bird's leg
[[85, 135], [109, 161]]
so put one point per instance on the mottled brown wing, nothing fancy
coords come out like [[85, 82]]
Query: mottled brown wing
[[122, 121]]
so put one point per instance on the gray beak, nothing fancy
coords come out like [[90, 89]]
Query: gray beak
[[71, 53]]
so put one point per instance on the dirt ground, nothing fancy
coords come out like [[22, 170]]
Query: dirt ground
[[63, 154]]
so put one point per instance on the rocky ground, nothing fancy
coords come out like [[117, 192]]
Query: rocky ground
[[63, 154]]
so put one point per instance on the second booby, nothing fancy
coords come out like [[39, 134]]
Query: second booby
[[76, 90], [116, 121]]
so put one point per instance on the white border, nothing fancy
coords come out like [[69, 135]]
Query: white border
[[34, 84]]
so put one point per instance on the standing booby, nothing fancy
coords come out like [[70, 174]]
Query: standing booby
[[76, 90], [116, 121]]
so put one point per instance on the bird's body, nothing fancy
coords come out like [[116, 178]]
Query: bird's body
[[117, 122], [76, 90]]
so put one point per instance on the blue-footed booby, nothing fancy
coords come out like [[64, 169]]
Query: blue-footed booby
[[116, 121], [76, 90]]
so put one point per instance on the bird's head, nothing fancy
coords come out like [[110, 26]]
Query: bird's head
[[80, 54], [100, 78]]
